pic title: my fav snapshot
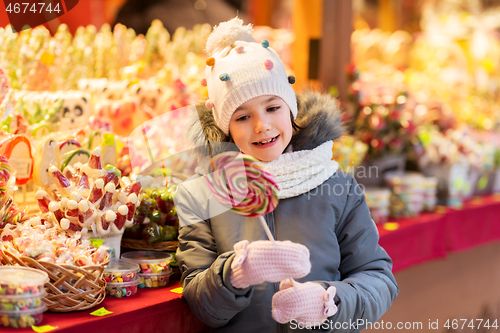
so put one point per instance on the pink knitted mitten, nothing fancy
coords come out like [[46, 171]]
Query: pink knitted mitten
[[268, 261], [308, 303]]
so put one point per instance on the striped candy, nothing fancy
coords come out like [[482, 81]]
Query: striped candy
[[241, 183], [4, 169]]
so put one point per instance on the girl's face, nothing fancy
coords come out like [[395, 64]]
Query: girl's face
[[261, 127]]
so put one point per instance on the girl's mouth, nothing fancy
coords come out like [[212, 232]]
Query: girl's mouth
[[266, 143]]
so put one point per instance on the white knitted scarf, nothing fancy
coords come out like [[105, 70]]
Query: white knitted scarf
[[301, 171], [298, 172]]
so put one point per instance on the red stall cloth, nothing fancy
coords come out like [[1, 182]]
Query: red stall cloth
[[478, 222], [149, 311], [429, 236], [415, 240]]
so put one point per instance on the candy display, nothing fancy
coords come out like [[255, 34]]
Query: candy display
[[156, 218], [21, 302], [43, 240], [22, 319], [407, 193], [378, 200], [149, 261], [430, 193], [155, 280], [46, 112], [21, 292], [35, 60], [22, 281], [90, 197], [123, 289], [119, 271]]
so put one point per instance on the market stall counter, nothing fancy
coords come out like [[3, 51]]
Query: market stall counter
[[409, 242], [434, 235], [150, 310]]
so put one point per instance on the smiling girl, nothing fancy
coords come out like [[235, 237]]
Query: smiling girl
[[327, 240]]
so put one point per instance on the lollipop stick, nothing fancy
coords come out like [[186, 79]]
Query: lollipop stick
[[266, 228], [271, 238]]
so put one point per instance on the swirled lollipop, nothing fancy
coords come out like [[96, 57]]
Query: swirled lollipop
[[5, 169], [240, 183]]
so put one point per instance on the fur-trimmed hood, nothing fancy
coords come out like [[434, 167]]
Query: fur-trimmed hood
[[318, 115]]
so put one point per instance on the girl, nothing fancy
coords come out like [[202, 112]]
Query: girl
[[326, 238]]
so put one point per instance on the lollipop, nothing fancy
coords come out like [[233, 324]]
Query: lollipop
[[4, 169], [240, 182]]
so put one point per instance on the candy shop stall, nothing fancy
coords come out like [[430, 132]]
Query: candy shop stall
[[92, 150]]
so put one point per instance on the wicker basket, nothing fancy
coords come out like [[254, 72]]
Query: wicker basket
[[70, 288], [137, 244]]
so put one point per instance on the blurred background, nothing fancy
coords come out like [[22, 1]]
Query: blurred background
[[418, 82]]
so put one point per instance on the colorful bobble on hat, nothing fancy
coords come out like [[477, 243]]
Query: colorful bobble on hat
[[264, 43], [291, 79], [240, 49], [210, 61], [204, 82], [269, 64], [224, 77], [209, 104]]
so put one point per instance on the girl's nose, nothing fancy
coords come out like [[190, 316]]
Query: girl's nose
[[262, 124]]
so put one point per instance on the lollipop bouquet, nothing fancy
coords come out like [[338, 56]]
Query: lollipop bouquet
[[10, 213]]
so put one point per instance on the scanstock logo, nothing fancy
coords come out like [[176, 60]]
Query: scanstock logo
[[25, 14]]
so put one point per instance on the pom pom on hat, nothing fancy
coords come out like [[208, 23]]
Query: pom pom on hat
[[210, 61], [226, 33], [268, 64], [224, 77]]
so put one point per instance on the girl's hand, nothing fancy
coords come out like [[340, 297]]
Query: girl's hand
[[308, 303], [268, 261]]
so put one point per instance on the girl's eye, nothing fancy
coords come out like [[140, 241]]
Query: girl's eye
[[273, 108], [242, 118]]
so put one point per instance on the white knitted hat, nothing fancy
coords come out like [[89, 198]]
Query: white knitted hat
[[240, 69]]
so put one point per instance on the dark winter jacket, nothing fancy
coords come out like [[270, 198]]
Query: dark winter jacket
[[332, 220]]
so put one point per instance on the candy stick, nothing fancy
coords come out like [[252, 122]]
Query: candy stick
[[64, 223], [104, 222], [83, 182], [134, 188], [72, 212], [62, 183], [132, 203], [121, 217], [87, 212], [112, 175], [63, 202], [55, 208], [43, 200], [5, 169], [76, 196], [93, 168], [96, 193], [95, 159], [70, 173], [107, 200]]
